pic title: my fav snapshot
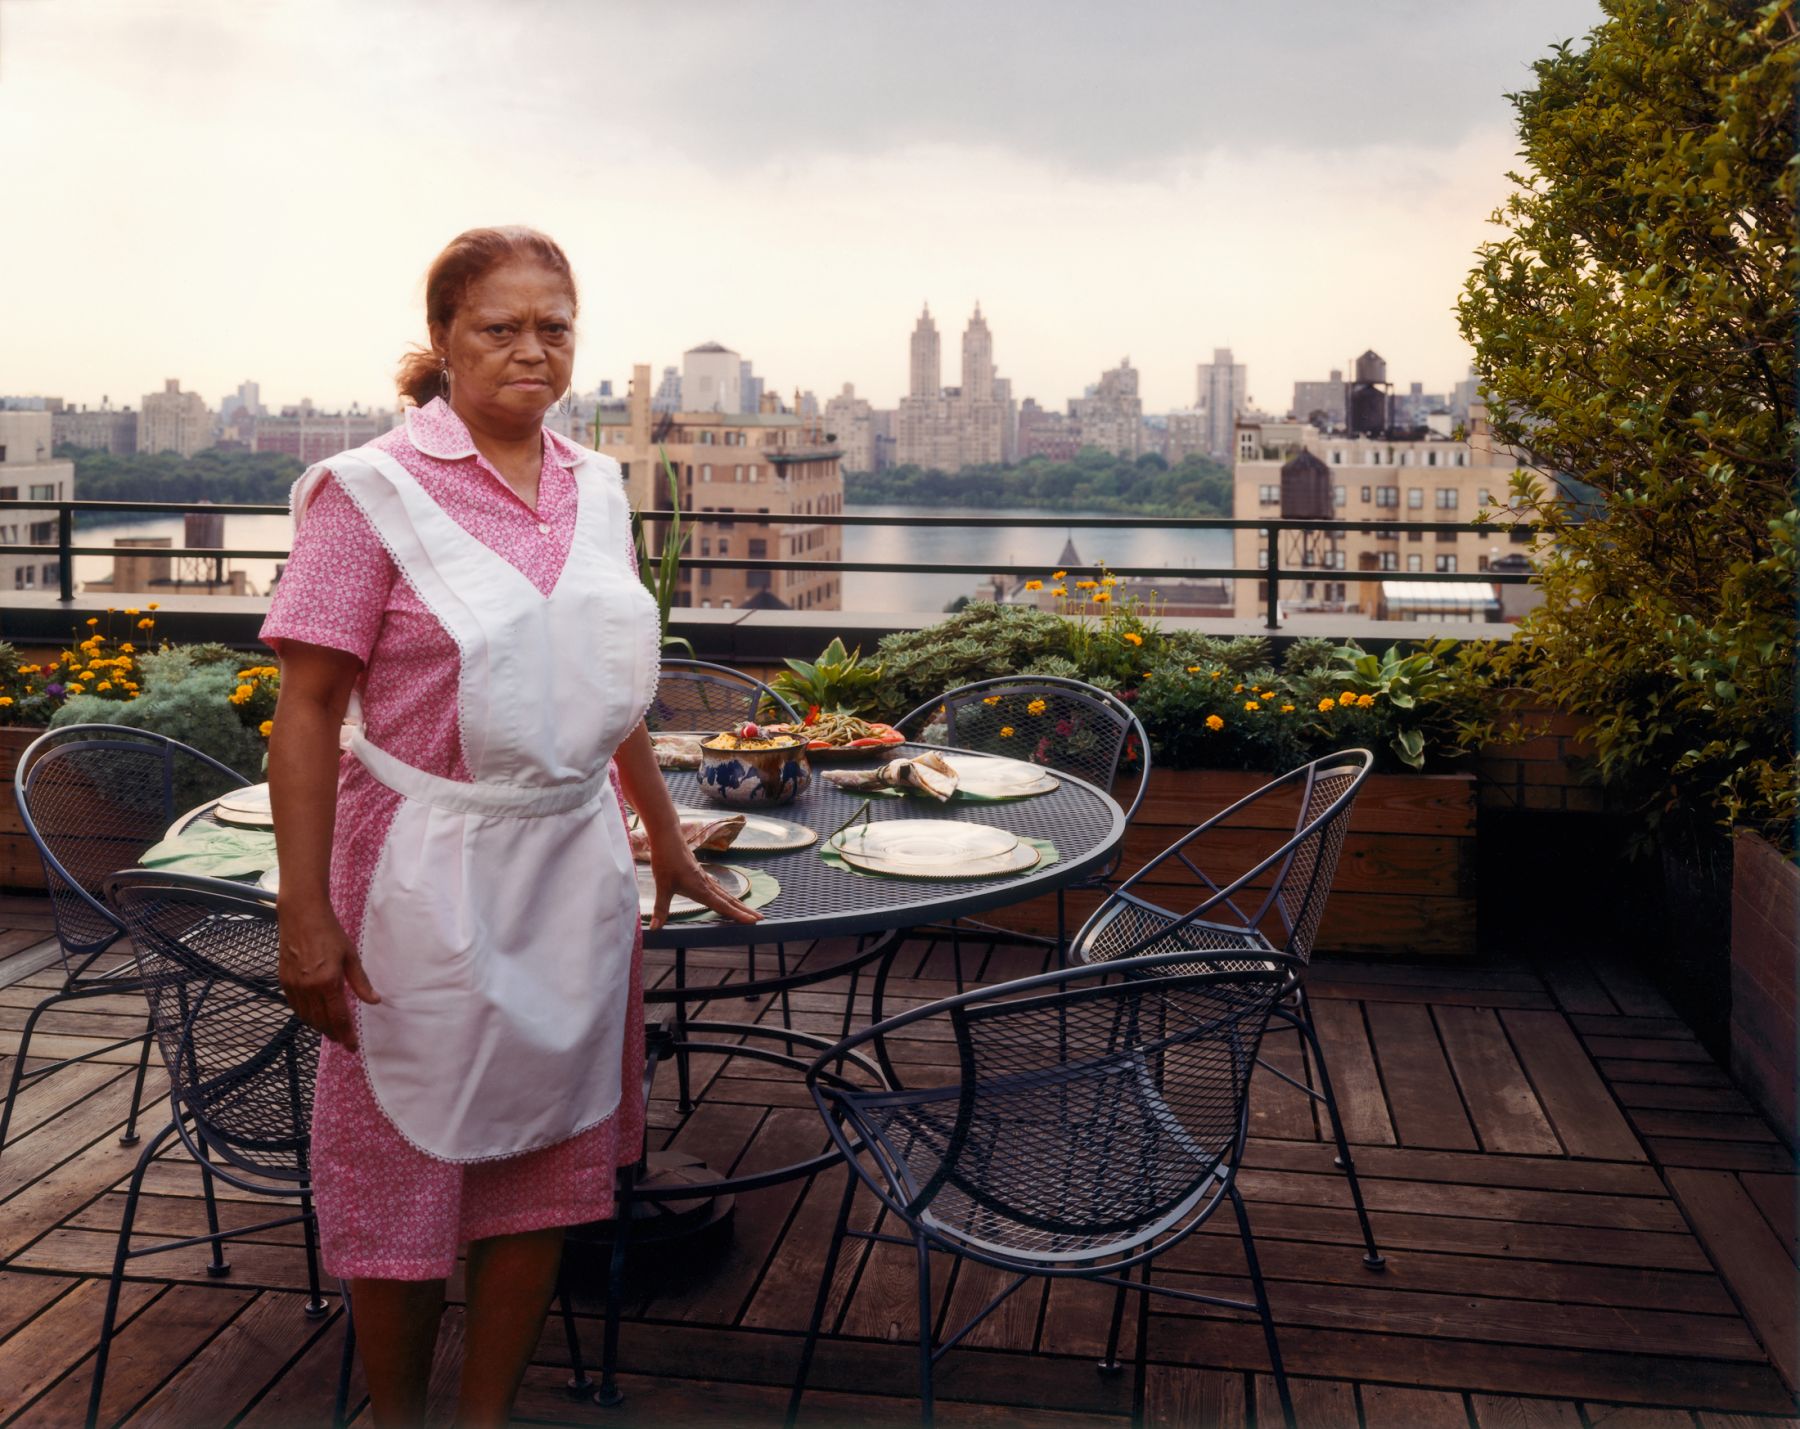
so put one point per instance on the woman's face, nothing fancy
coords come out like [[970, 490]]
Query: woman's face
[[511, 345]]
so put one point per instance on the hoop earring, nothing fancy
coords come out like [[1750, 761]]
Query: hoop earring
[[444, 378]]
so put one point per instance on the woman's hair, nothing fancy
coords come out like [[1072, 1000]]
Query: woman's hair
[[466, 259]]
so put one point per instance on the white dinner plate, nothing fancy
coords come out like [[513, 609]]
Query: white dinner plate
[[996, 778], [931, 848], [252, 799], [733, 880], [1017, 859], [759, 834], [244, 819]]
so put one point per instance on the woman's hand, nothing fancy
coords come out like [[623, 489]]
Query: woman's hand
[[317, 962], [678, 871]]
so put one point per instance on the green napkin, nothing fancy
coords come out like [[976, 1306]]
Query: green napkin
[[1047, 855], [763, 889], [214, 851]]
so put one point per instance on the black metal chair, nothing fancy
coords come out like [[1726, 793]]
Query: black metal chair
[[1066, 725], [1274, 906], [94, 798], [695, 696], [1097, 1119], [241, 1070]]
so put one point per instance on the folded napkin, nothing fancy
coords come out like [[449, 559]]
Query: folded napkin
[[676, 751], [214, 851], [927, 773], [697, 834]]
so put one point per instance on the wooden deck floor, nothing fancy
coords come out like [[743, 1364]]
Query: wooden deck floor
[[1585, 1223]]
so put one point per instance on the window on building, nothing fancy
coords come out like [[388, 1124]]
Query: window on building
[[1415, 563], [43, 532], [1481, 563], [25, 578], [1334, 560], [757, 548], [1340, 495], [1387, 496], [1415, 535], [1430, 458], [1462, 458], [1520, 536], [1337, 458], [1246, 446], [1390, 560], [1448, 498], [1415, 498], [43, 491], [2, 451], [706, 545], [1268, 495], [724, 605], [1446, 565], [7, 493], [1484, 497], [1262, 559], [1368, 494], [51, 572], [724, 545], [1309, 557]]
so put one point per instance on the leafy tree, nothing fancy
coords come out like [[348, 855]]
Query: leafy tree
[[1093, 481], [1634, 328], [212, 475]]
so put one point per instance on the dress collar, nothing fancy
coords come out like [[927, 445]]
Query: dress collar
[[436, 431]]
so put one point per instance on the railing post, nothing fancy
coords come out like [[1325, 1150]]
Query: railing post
[[1272, 584], [65, 563]]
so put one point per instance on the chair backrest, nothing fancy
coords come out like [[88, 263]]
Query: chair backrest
[[240, 1063], [1095, 1109], [1062, 724], [94, 798], [1282, 895], [695, 696]]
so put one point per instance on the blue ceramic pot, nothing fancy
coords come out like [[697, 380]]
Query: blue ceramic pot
[[755, 777]]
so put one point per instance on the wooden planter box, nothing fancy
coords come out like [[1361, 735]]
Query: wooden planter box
[[1405, 883], [1765, 941], [20, 868]]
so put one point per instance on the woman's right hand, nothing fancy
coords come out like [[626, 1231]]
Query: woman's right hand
[[317, 962]]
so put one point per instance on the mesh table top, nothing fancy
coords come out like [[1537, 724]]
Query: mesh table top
[[816, 899]]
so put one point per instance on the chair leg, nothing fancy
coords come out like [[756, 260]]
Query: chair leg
[[1262, 1308], [1140, 1375], [1110, 1365], [18, 1068], [218, 1266], [340, 1403], [824, 1295], [130, 1138], [608, 1394], [927, 1407], [1372, 1257], [781, 968], [120, 1254], [315, 1307], [1060, 958], [579, 1383]]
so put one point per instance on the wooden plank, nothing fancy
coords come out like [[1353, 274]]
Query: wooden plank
[[1504, 1203], [1179, 1395], [1721, 1155], [253, 1264], [1636, 1416], [1671, 1029], [1421, 1096], [1387, 1407], [218, 1383], [1755, 1263], [1676, 1074], [22, 1296], [1351, 1062], [1508, 1411], [1500, 1100], [1418, 864], [1660, 1096], [92, 1123], [61, 1338], [1411, 1163], [1403, 803], [1775, 1198], [304, 1391], [1649, 1049], [1577, 989], [1318, 1403], [144, 1354], [1279, 1111], [1569, 1088], [1703, 1125]]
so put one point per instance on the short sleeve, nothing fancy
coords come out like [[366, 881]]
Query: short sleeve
[[335, 588]]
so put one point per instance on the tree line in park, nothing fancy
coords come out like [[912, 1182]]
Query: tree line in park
[[222, 476], [1093, 481]]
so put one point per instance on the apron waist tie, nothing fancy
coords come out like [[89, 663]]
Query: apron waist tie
[[505, 801]]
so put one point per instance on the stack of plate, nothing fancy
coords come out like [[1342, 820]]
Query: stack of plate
[[733, 880], [248, 808], [760, 834], [933, 848], [990, 777]]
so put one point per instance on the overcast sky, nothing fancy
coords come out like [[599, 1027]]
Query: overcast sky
[[221, 189]]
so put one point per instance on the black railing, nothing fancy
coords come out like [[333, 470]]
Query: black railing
[[1271, 574]]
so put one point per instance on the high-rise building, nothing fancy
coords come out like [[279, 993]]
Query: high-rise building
[[102, 429], [29, 472], [711, 379], [949, 428], [248, 397], [1111, 416], [312, 435], [174, 421], [668, 391], [850, 420], [1222, 392], [1321, 403], [750, 389], [768, 462], [1464, 396], [1042, 433]]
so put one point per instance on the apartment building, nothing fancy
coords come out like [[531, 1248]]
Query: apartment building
[[28, 472], [174, 421]]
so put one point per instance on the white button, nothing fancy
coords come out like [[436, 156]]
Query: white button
[[543, 529]]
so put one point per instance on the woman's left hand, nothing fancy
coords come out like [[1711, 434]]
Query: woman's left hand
[[678, 871]]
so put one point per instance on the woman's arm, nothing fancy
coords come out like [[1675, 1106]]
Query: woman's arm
[[671, 860], [317, 959]]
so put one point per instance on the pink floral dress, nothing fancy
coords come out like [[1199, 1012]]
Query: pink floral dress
[[388, 1210]]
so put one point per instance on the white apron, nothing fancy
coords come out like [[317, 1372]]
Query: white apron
[[502, 913]]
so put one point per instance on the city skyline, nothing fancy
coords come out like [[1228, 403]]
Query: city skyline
[[1297, 218]]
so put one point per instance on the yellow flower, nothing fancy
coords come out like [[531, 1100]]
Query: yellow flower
[[1084, 585], [266, 728], [1347, 698], [1217, 673], [1268, 694], [1132, 637], [1060, 590], [1364, 701], [1237, 689], [1006, 731], [1214, 723], [1287, 709], [131, 610], [1251, 706], [151, 606], [1111, 581], [991, 700], [1193, 669], [93, 620], [1036, 707], [1034, 585], [1327, 705], [1059, 575], [1102, 596], [242, 693], [103, 686], [146, 623], [5, 700], [129, 648]]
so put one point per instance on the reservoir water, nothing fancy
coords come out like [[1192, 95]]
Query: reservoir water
[[989, 536]]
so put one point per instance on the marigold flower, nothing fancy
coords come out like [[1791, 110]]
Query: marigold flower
[[1347, 698], [1034, 585], [1006, 731], [1109, 580], [1214, 723], [1251, 706], [93, 620], [152, 606], [1364, 701], [1268, 694], [991, 700], [131, 610], [1327, 705], [1217, 673], [146, 624], [1133, 637], [103, 686], [1059, 575], [1287, 709], [5, 700], [1237, 689], [1084, 585], [1102, 596], [266, 728], [1036, 707]]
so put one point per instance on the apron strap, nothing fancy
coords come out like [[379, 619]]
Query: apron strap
[[492, 800]]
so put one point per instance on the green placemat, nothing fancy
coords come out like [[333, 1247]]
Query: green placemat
[[214, 851], [1047, 855], [961, 796], [763, 889]]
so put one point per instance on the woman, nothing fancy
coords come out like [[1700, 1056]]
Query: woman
[[459, 913]]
